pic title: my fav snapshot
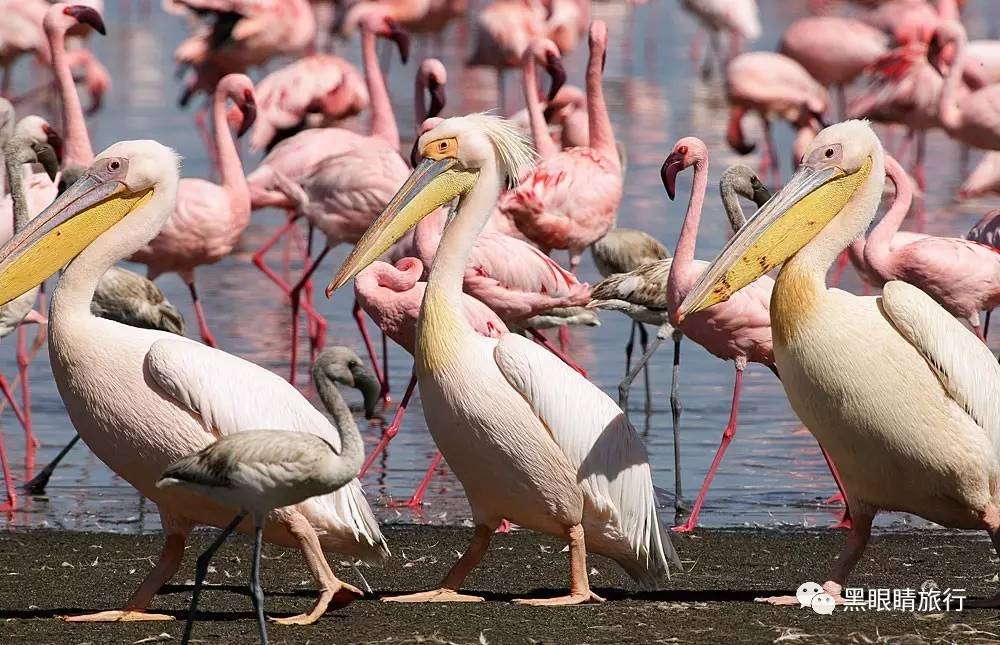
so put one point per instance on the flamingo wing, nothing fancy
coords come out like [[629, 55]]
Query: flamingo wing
[[965, 365], [229, 394], [597, 439]]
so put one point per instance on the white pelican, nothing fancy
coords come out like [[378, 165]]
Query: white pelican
[[905, 399], [258, 471], [529, 438], [142, 398]]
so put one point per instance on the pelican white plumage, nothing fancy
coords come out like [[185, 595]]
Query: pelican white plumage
[[905, 399], [141, 399], [530, 439], [259, 471]]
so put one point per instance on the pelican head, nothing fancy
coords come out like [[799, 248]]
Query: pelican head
[[455, 156], [812, 209], [342, 365], [110, 196]]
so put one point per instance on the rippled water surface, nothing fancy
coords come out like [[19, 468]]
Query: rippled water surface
[[773, 473]]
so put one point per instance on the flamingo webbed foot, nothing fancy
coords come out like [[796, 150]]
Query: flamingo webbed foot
[[435, 595], [118, 616]]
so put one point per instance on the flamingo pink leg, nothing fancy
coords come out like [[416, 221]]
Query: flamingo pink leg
[[8, 479], [727, 437], [393, 428], [544, 342], [8, 394], [296, 297], [22, 367], [258, 257], [838, 271], [418, 495], [359, 317], [206, 333], [845, 519]]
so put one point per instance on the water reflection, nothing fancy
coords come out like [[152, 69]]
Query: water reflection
[[773, 472]]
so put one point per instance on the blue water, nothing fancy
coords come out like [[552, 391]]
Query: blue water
[[773, 474]]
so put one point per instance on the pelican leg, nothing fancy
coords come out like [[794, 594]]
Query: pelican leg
[[448, 591], [359, 318], [579, 584], [171, 556], [675, 414], [850, 553], [330, 587], [201, 570], [727, 437], [393, 428], [256, 592], [991, 520], [38, 483], [385, 362], [296, 297], [626, 384]]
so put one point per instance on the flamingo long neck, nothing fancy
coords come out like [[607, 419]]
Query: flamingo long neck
[[949, 113], [230, 166], [383, 119], [15, 178], [78, 149], [536, 119], [443, 325], [602, 136], [420, 100], [948, 10], [352, 446], [731, 204], [681, 276], [877, 251], [801, 284]]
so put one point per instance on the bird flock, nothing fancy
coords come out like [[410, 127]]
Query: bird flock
[[456, 256]]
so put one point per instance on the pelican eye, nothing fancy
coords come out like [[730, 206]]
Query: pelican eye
[[829, 153], [115, 165], [441, 148]]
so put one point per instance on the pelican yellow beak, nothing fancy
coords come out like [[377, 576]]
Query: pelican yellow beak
[[778, 230], [76, 218], [432, 184]]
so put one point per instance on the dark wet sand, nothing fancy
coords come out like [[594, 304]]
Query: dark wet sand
[[49, 574]]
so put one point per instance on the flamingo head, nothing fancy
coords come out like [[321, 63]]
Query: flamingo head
[[342, 365], [687, 152], [40, 131], [239, 88], [61, 18]]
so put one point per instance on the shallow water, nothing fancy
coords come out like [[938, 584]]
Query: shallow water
[[773, 473]]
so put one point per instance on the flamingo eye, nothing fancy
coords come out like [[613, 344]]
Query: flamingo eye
[[683, 150]]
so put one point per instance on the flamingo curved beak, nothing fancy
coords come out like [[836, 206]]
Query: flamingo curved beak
[[776, 232], [402, 39], [248, 106], [47, 157], [434, 182], [93, 204], [438, 98], [557, 73], [53, 138], [87, 16], [668, 173]]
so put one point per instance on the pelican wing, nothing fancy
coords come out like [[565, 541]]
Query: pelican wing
[[967, 368], [596, 437], [228, 395]]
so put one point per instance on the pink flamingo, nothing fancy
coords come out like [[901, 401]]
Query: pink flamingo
[[208, 218], [345, 192], [96, 77], [243, 34], [833, 50], [738, 18], [504, 28], [739, 329], [774, 86], [416, 16], [973, 119], [20, 34], [856, 255], [323, 86], [961, 275], [391, 295], [569, 200], [984, 178]]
